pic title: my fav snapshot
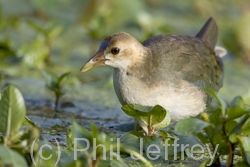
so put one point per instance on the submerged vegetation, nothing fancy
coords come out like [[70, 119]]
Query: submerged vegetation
[[44, 43]]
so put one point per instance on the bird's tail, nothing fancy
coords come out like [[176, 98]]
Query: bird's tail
[[220, 51], [209, 32]]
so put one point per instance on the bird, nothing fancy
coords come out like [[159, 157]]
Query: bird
[[167, 70]]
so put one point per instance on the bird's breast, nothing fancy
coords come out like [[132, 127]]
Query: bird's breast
[[181, 99]]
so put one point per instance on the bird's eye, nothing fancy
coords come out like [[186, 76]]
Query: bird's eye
[[115, 51]]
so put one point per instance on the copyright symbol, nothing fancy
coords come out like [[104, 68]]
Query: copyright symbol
[[40, 151]]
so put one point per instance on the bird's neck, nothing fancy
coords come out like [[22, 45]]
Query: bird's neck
[[143, 70]]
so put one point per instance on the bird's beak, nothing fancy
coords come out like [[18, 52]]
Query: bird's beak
[[97, 60]]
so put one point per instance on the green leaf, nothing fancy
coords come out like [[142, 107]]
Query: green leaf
[[149, 118], [245, 129], [160, 117], [241, 164], [202, 138], [132, 111], [164, 134], [157, 142], [53, 31], [62, 79], [69, 138], [221, 141], [237, 101], [138, 155], [247, 108], [46, 152], [210, 130], [9, 157], [116, 163], [142, 118], [235, 112], [243, 122], [181, 140], [219, 101], [50, 78], [34, 54], [205, 163], [245, 142], [230, 126], [94, 130], [142, 108], [237, 108], [36, 27], [12, 110], [27, 121], [137, 133], [190, 126], [131, 140], [5, 49], [78, 132], [68, 159], [101, 138], [216, 118], [233, 138]]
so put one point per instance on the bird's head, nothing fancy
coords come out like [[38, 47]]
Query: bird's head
[[119, 50]]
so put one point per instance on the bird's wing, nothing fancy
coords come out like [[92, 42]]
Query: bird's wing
[[198, 64], [188, 57]]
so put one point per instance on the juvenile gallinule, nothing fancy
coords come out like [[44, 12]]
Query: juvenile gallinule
[[169, 70]]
